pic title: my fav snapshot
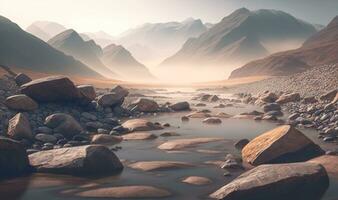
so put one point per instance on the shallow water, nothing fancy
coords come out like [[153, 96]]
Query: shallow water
[[54, 187]]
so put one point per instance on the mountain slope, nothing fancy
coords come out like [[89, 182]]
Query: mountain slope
[[221, 46], [71, 43], [22, 50], [48, 28], [160, 40], [321, 48], [38, 32], [118, 59], [101, 38]]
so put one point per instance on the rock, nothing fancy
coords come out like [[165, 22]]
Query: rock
[[22, 79], [293, 116], [271, 107], [232, 162], [212, 120], [282, 144], [241, 144], [87, 92], [13, 158], [201, 105], [180, 106], [286, 98], [19, 127], [21, 102], [269, 117], [44, 129], [269, 97], [197, 180], [223, 115], [185, 118], [220, 106], [83, 160], [144, 105], [329, 96], [140, 125], [198, 115], [159, 165], [119, 90], [126, 192], [139, 136], [51, 89], [110, 100], [329, 106], [278, 181], [106, 139], [208, 97], [311, 99], [185, 143], [329, 162], [64, 124], [169, 134], [276, 113], [46, 138]]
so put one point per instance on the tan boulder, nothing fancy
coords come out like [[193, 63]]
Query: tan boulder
[[19, 127], [185, 143], [278, 182], [159, 165], [21, 102], [140, 125], [105, 139], [282, 144]]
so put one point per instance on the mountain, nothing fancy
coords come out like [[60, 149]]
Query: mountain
[[118, 59], [320, 49], [22, 50], [101, 38], [159, 39], [240, 37], [88, 52], [45, 29]]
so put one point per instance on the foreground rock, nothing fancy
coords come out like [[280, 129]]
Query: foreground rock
[[19, 127], [185, 143], [144, 105], [83, 160], [21, 103], [140, 125], [123, 192], [64, 124], [282, 144], [197, 180], [106, 139], [278, 181], [159, 165], [181, 106], [139, 136], [51, 89], [13, 158]]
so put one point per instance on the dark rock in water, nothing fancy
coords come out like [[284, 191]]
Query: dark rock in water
[[241, 144], [282, 144], [144, 105], [22, 79], [64, 124], [232, 162], [82, 161], [180, 106], [329, 96], [13, 158], [19, 127], [212, 120], [279, 181], [286, 98], [185, 118], [21, 102], [255, 112], [51, 89], [271, 107]]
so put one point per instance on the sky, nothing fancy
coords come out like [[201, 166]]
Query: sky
[[117, 16]]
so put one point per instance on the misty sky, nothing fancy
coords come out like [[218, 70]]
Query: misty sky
[[116, 16]]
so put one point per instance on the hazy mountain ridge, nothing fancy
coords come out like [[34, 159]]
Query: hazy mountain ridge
[[23, 50], [45, 30], [71, 43], [221, 45], [319, 49]]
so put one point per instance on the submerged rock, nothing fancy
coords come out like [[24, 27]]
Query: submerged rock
[[106, 139], [140, 125], [83, 160], [159, 165], [139, 191], [212, 120], [139, 136], [184, 143], [198, 114], [277, 181], [197, 180], [282, 144]]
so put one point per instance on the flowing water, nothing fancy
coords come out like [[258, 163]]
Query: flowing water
[[53, 187]]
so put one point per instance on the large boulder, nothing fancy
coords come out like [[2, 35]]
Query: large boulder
[[140, 125], [180, 106], [282, 144], [120, 91], [21, 102], [19, 127], [13, 158], [144, 105], [21, 79], [87, 92], [110, 100], [51, 89], [64, 124], [278, 182], [286, 98], [83, 160], [328, 96]]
